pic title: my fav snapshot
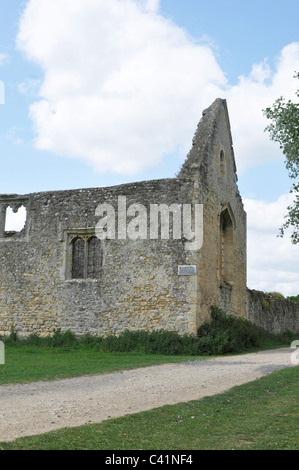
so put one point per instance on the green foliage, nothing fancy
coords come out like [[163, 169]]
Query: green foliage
[[11, 339], [284, 129], [230, 334], [67, 339], [222, 335], [155, 342], [276, 294], [265, 305], [294, 298]]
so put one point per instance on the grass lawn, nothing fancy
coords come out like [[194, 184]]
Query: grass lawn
[[31, 363], [65, 355], [261, 415]]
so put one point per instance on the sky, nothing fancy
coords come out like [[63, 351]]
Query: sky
[[103, 92]]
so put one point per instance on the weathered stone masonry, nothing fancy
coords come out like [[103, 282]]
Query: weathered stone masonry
[[128, 284], [272, 313]]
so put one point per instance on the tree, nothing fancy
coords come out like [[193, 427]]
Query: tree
[[294, 298], [284, 129]]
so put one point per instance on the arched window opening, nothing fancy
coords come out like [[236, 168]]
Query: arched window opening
[[86, 257], [226, 247], [78, 258], [13, 217], [94, 258]]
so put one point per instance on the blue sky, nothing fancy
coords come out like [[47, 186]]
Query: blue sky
[[83, 78], [243, 32]]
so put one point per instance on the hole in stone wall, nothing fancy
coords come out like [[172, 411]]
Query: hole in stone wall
[[15, 222]]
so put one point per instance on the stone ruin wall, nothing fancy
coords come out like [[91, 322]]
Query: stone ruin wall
[[139, 285], [215, 173], [138, 288], [272, 313]]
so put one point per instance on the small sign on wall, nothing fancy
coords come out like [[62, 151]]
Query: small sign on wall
[[187, 270]]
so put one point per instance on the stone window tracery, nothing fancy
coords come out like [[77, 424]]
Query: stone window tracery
[[86, 256]]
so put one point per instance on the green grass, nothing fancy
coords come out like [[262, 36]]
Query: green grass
[[251, 416], [65, 355], [261, 415], [31, 363]]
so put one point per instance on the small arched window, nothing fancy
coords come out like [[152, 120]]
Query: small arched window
[[78, 258], [94, 258], [86, 257]]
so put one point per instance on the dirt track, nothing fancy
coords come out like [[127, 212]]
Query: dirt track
[[40, 407]]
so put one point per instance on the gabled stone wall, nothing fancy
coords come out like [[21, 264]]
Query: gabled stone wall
[[139, 283]]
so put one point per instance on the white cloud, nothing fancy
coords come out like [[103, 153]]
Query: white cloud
[[250, 96], [272, 261], [152, 5], [124, 86]]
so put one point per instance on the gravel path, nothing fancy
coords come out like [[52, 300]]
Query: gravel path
[[39, 407]]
